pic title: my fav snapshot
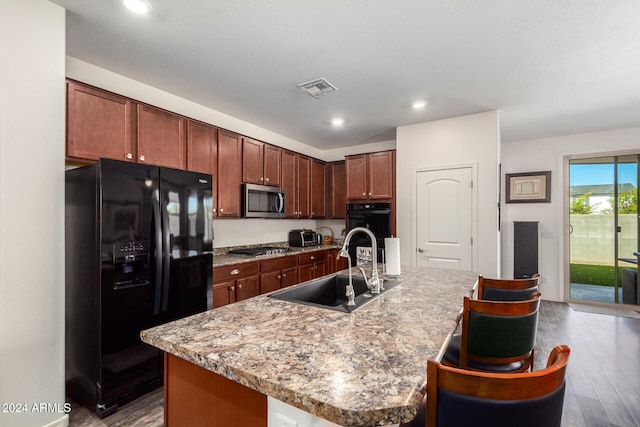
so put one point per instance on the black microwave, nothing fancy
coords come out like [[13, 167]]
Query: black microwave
[[262, 201]]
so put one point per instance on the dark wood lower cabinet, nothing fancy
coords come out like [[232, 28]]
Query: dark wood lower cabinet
[[196, 397]]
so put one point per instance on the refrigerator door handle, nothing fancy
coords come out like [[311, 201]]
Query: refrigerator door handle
[[166, 250], [158, 255]]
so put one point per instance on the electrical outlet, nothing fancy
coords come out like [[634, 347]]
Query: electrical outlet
[[282, 421]]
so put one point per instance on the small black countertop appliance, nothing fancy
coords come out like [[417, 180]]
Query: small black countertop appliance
[[302, 238]]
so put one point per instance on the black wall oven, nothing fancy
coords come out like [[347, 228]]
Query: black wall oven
[[374, 216]]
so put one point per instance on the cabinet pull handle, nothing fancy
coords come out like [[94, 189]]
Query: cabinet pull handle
[[129, 156], [235, 271], [240, 286], [141, 158], [232, 288]]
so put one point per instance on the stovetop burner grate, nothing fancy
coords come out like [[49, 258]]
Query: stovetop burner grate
[[262, 250]]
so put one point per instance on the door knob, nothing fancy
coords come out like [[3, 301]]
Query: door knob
[[420, 250]]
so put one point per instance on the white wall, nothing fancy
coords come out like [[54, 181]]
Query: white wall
[[32, 132], [472, 139], [543, 155]]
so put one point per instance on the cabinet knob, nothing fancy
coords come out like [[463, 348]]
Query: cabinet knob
[[267, 179], [129, 156], [279, 277], [214, 210], [232, 288], [261, 179], [235, 271], [312, 257], [369, 192], [141, 158], [240, 286], [284, 275], [221, 210], [364, 194]]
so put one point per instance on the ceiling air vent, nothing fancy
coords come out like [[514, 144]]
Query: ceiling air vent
[[317, 87]]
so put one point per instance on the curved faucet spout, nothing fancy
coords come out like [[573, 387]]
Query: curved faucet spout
[[374, 282]]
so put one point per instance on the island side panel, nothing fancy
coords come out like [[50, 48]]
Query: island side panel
[[194, 396]]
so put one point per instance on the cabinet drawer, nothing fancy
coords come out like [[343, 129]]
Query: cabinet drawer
[[311, 257], [278, 263], [235, 271]]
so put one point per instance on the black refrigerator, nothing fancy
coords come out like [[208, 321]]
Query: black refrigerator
[[138, 254]]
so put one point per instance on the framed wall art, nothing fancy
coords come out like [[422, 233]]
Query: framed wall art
[[528, 187]]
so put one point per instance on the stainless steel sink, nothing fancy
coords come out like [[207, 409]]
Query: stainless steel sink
[[330, 292]]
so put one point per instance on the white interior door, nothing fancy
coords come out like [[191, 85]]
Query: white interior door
[[444, 218]]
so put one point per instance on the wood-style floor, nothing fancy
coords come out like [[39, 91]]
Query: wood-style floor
[[603, 376]]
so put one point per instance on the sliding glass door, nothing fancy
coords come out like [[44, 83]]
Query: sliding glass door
[[604, 229]]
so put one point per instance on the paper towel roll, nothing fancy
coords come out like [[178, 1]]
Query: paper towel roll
[[392, 255]]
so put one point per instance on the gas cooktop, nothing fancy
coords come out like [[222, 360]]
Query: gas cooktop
[[261, 250]]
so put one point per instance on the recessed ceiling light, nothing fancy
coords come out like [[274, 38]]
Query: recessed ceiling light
[[337, 121], [419, 104], [140, 7]]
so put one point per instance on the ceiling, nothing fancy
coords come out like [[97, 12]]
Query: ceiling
[[552, 67]]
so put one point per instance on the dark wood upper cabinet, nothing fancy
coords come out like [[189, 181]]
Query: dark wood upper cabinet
[[99, 124], [161, 137], [272, 164], [288, 179], [304, 182], [318, 186], [260, 162], [370, 176], [252, 160], [202, 153], [229, 174], [356, 174], [380, 173], [337, 190]]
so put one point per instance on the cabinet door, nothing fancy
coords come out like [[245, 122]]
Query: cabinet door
[[252, 159], [318, 189], [161, 137], [202, 154], [304, 174], [356, 173], [270, 281], [224, 293], [288, 182], [337, 191], [289, 277], [380, 171], [271, 165], [229, 174], [319, 269], [247, 288], [98, 124], [305, 272]]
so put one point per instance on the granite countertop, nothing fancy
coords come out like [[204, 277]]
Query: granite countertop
[[364, 368], [222, 258]]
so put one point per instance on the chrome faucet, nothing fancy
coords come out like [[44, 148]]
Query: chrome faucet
[[373, 283], [351, 294]]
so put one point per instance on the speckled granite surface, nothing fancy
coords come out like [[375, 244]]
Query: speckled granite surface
[[222, 258], [364, 368]]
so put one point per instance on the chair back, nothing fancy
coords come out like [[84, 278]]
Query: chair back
[[459, 397], [507, 289], [499, 332]]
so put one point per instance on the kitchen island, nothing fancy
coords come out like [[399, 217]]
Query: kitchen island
[[364, 368]]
